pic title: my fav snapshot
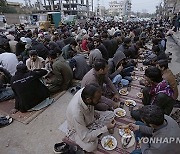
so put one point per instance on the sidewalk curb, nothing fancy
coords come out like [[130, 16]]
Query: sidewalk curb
[[176, 39]]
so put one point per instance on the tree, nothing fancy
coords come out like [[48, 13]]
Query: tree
[[4, 8]]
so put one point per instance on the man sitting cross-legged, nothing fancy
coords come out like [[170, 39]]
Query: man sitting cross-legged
[[98, 75], [28, 89], [80, 114], [157, 134]]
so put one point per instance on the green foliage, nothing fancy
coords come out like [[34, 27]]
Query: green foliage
[[4, 8], [3, 3]]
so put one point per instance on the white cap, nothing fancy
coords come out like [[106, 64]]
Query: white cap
[[23, 39], [10, 37]]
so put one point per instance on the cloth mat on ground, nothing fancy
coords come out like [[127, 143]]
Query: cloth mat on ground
[[25, 118]]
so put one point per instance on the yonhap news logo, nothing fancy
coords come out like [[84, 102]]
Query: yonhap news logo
[[156, 140]]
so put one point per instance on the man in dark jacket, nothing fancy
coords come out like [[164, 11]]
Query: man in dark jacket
[[102, 48], [79, 66], [116, 69], [61, 76], [40, 48], [108, 44], [29, 90]]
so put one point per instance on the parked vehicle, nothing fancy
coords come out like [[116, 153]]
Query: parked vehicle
[[50, 19]]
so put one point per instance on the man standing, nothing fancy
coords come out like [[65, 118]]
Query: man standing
[[80, 114]]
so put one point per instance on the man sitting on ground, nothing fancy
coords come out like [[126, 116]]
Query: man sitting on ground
[[6, 92], [78, 65], [61, 76], [94, 54], [28, 89], [68, 48], [161, 128], [80, 114], [98, 75], [157, 92], [34, 62], [168, 76], [9, 62]]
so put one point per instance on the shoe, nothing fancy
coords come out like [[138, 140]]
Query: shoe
[[61, 148], [5, 122]]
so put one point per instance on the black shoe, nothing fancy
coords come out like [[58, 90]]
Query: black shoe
[[5, 122], [61, 148]]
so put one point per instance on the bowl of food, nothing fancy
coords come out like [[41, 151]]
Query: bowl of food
[[140, 95], [109, 142], [130, 102], [123, 92], [119, 112]]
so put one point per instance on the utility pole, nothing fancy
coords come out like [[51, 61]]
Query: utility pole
[[98, 7], [26, 3], [87, 5], [92, 5]]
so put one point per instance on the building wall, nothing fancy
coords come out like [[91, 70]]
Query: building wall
[[12, 18], [121, 8]]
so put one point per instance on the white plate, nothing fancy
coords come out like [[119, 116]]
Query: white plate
[[138, 95], [123, 134], [119, 109], [141, 78], [124, 94], [136, 69], [134, 77], [132, 101], [105, 139]]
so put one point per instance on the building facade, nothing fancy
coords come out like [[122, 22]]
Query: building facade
[[171, 7], [68, 7], [100, 11], [120, 8]]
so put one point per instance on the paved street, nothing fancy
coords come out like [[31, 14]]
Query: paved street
[[41, 134]]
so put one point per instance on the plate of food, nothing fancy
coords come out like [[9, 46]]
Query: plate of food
[[136, 69], [140, 95], [134, 77], [126, 132], [141, 78], [130, 102], [109, 142], [119, 112], [123, 92], [140, 60]]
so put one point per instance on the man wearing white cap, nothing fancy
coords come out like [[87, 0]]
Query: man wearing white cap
[[12, 43]]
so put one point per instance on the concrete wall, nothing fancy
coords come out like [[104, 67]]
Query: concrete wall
[[12, 18]]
